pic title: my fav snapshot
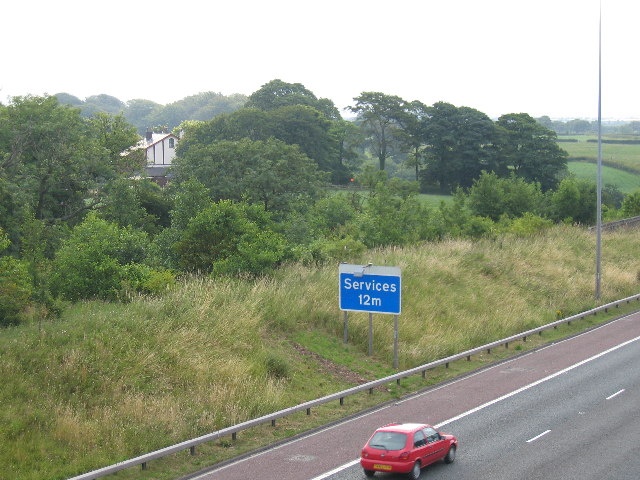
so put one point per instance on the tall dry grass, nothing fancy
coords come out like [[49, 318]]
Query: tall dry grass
[[110, 381]]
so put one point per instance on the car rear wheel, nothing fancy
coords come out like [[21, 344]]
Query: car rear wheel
[[369, 473], [414, 474], [451, 454]]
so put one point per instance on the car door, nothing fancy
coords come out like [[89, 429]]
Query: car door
[[436, 446], [420, 449]]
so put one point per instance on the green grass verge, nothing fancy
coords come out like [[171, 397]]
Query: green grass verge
[[212, 453], [108, 382]]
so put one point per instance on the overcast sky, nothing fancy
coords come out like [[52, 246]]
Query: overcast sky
[[498, 56]]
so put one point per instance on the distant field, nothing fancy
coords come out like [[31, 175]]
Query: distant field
[[621, 156], [626, 182]]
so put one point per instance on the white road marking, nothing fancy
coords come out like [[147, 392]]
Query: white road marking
[[615, 394], [538, 436], [504, 397], [338, 469], [354, 462]]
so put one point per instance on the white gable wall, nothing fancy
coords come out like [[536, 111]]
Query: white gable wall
[[163, 151]]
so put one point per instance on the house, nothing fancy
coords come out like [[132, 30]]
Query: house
[[160, 150]]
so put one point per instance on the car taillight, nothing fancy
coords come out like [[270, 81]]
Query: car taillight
[[404, 455]]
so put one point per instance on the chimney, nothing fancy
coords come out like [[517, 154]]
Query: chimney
[[149, 135]]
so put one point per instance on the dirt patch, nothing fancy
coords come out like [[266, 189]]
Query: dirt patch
[[338, 371]]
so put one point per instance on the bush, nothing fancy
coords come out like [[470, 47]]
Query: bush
[[92, 263], [231, 237], [15, 290], [138, 278], [631, 205], [526, 225], [339, 249]]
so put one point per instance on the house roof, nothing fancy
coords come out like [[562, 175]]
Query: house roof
[[156, 170], [157, 138]]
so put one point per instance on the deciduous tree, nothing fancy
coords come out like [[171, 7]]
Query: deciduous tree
[[277, 94], [271, 173], [378, 114], [459, 143], [530, 150], [231, 238]]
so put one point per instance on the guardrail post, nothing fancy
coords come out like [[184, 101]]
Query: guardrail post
[[341, 400], [308, 411], [506, 345], [468, 358], [273, 422], [144, 465], [234, 436], [192, 450]]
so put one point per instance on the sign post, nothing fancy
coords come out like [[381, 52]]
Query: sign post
[[373, 289]]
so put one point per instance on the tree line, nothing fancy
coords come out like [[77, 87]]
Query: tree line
[[250, 190], [580, 126]]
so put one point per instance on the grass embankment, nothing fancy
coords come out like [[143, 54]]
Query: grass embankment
[[109, 382]]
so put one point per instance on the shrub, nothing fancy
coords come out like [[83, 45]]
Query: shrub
[[139, 278], [339, 249], [631, 205], [15, 290], [526, 225], [92, 262], [231, 238]]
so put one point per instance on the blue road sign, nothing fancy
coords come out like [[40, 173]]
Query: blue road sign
[[370, 288]]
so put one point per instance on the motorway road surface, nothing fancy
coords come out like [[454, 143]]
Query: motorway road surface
[[570, 410]]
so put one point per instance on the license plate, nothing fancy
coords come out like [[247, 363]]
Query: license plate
[[382, 467]]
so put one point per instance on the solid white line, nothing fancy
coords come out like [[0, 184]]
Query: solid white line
[[504, 397], [347, 465], [537, 437], [614, 395], [538, 382], [337, 469]]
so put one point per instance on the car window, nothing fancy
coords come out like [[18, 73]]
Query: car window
[[388, 440], [418, 439], [431, 434]]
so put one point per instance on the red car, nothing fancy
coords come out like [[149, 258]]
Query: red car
[[406, 448]]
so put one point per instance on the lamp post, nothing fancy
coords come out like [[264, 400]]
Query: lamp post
[[599, 174]]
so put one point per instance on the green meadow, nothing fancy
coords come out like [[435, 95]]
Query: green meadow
[[626, 182], [620, 162]]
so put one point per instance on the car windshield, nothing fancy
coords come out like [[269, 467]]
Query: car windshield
[[388, 440]]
